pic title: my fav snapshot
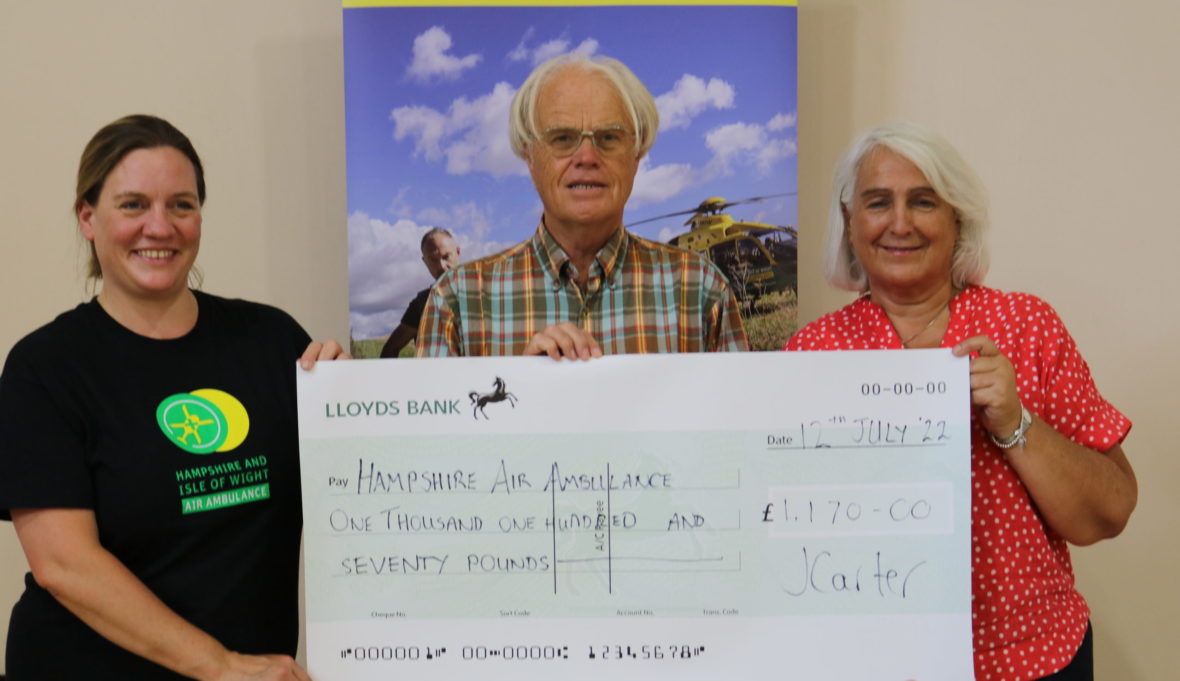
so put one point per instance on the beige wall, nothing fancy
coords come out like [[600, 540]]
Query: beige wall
[[1068, 109]]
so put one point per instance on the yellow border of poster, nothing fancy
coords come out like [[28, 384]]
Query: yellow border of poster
[[557, 3]]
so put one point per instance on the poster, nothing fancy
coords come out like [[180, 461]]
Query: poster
[[427, 91], [693, 516]]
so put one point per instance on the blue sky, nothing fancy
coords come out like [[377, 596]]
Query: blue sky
[[426, 99]]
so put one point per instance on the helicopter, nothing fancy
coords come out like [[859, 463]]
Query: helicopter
[[756, 258]]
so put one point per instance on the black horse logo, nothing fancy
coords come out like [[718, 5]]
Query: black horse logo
[[498, 394]]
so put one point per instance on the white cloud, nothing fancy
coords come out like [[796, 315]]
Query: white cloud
[[689, 97], [654, 184], [521, 51], [774, 151], [432, 61], [433, 216], [483, 124], [468, 222], [472, 135], [384, 263], [746, 144], [548, 49], [733, 138], [588, 47], [424, 124], [781, 121]]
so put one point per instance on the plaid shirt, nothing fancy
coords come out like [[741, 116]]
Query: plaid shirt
[[640, 296]]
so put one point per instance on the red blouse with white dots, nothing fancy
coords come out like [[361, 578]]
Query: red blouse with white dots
[[1028, 617]]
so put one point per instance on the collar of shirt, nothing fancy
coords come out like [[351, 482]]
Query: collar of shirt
[[559, 269]]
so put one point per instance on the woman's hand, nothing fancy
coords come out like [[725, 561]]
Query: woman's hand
[[993, 386], [1083, 494], [67, 559], [238, 667], [319, 352]]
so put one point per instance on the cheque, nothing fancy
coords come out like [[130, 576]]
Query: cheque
[[667, 516]]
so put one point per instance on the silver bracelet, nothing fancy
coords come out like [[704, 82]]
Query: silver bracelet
[[1016, 438]]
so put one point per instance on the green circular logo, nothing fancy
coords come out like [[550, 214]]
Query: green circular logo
[[192, 423]]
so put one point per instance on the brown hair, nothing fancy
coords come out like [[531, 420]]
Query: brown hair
[[111, 144]]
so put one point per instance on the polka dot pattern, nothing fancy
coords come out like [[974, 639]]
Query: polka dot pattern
[[1027, 615]]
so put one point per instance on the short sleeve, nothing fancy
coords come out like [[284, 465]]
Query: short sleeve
[[302, 339], [1072, 404], [281, 321], [43, 437], [268, 329]]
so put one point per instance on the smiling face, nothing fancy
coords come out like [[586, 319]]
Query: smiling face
[[583, 193], [146, 226], [901, 231]]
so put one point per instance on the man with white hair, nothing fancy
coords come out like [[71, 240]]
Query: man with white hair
[[582, 286]]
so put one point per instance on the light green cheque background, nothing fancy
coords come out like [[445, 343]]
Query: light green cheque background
[[694, 523]]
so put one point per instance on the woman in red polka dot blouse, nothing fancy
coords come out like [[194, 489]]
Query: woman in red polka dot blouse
[[906, 230]]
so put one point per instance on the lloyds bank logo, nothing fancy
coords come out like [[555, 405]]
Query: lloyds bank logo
[[203, 421]]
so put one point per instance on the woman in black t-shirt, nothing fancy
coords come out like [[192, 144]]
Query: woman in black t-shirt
[[149, 449]]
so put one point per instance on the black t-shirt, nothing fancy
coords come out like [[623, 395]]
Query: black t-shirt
[[149, 434], [413, 313]]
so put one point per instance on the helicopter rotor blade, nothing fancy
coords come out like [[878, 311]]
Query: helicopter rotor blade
[[661, 217], [754, 199], [705, 206]]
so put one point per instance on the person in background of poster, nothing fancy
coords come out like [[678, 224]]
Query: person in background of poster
[[149, 450], [582, 286], [906, 230], [440, 253]]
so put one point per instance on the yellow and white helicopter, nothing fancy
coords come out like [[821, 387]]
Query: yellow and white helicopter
[[756, 257]]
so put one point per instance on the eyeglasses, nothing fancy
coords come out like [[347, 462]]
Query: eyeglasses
[[611, 140]]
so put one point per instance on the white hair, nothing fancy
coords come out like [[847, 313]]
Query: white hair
[[949, 175], [522, 117]]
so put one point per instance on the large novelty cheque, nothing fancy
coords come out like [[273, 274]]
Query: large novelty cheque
[[638, 517]]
